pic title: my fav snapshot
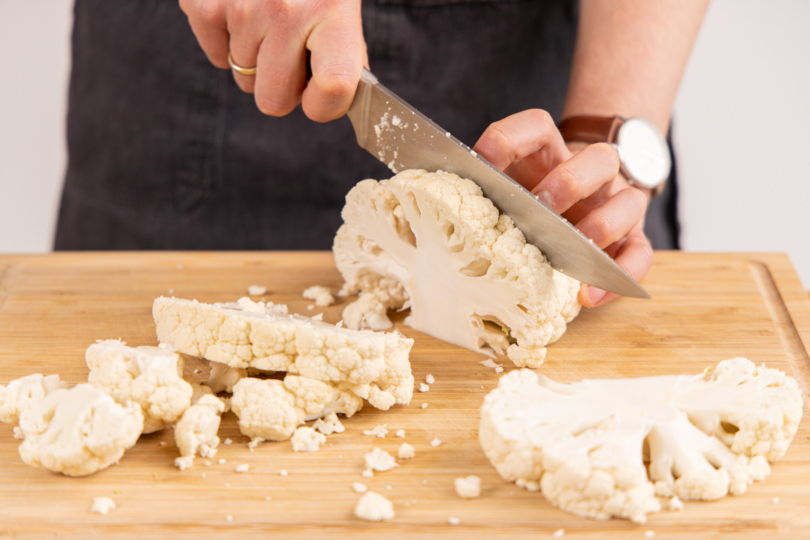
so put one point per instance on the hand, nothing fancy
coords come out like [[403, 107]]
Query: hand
[[580, 182], [274, 36]]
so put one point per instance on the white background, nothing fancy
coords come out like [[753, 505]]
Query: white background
[[742, 127]]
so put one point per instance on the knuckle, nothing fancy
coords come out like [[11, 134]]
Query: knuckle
[[207, 13], [242, 10], [639, 200], [542, 118], [568, 181], [604, 228], [338, 81], [272, 107], [610, 155]]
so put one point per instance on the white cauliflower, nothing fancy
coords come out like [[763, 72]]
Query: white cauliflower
[[380, 460], [272, 409], [469, 487], [16, 395], [406, 451], [307, 439], [374, 507], [374, 366], [149, 376], [434, 243], [79, 431], [329, 424], [197, 430], [320, 294], [584, 444], [222, 377]]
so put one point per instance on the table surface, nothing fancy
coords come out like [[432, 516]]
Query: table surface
[[705, 308]]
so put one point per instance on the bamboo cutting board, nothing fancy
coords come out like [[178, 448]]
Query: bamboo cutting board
[[706, 308]]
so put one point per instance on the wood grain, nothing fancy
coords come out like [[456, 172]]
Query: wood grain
[[705, 308]]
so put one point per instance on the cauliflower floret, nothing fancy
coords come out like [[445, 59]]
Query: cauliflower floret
[[149, 376], [79, 431], [374, 366], [583, 444], [321, 295], [16, 395], [222, 377], [307, 439], [272, 409], [329, 424], [197, 430], [434, 243]]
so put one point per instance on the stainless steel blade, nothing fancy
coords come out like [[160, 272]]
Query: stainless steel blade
[[403, 138]]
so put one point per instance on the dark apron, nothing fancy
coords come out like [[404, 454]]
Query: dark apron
[[165, 151]]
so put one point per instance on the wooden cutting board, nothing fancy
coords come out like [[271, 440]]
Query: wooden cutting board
[[705, 308]]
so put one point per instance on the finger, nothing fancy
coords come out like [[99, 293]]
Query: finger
[[579, 177], [247, 29], [635, 256], [615, 218], [208, 22], [281, 73], [338, 52], [526, 145]]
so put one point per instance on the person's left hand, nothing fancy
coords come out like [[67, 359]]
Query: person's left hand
[[579, 181]]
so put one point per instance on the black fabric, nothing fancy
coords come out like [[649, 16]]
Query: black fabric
[[165, 151]]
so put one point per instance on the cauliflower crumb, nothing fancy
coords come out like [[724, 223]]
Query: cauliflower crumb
[[559, 533], [649, 534], [499, 369], [229, 518], [675, 504], [207, 463], [102, 505], [254, 442], [184, 462], [368, 473], [320, 294], [424, 405], [776, 500], [359, 488], [256, 290], [435, 442], [469, 487], [423, 387], [429, 379], [283, 472], [318, 317], [490, 364], [406, 451], [453, 521], [379, 431], [374, 507], [268, 498], [242, 468], [311, 307], [380, 460], [329, 424], [400, 433], [388, 488], [307, 439], [228, 441], [202, 475], [221, 461]]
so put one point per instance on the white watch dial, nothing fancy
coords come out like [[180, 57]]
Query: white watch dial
[[644, 152]]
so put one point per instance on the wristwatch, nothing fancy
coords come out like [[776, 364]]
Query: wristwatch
[[643, 151]]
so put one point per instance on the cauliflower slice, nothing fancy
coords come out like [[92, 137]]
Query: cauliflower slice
[[197, 430], [583, 444], [434, 243], [149, 376], [79, 431], [16, 395], [272, 409], [374, 366]]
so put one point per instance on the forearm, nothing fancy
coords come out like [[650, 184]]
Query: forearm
[[630, 56]]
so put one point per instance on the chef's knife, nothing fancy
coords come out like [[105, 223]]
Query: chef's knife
[[403, 138]]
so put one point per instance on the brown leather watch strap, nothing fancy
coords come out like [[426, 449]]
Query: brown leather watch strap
[[591, 129]]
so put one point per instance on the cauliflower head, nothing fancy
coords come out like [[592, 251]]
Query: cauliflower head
[[197, 430], [16, 395], [249, 334], [434, 243], [79, 431], [584, 444], [149, 376], [272, 409]]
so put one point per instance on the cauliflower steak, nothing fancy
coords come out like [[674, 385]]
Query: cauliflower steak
[[585, 444], [433, 243]]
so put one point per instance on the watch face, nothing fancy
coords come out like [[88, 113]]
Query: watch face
[[644, 152]]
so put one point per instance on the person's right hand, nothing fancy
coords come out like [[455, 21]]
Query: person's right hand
[[274, 36]]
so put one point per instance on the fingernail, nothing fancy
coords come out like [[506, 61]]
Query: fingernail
[[545, 196], [594, 295]]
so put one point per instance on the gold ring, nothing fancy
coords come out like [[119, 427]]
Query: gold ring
[[240, 70]]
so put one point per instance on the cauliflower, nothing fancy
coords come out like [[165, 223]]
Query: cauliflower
[[380, 460], [406, 451], [223, 377], [307, 439], [321, 295], [329, 424], [584, 444], [272, 409], [434, 243], [149, 376], [374, 366], [469, 487], [197, 430], [374, 507], [78, 431], [15, 396]]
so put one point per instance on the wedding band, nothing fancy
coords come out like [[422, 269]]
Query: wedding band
[[240, 70]]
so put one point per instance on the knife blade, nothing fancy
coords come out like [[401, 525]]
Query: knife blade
[[403, 138]]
